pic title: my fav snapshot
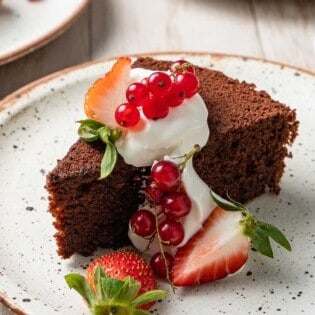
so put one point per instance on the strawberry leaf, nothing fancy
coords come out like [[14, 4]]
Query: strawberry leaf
[[275, 234], [79, 283], [110, 309], [109, 160], [228, 206], [133, 288], [260, 241], [140, 312], [111, 287], [149, 296]]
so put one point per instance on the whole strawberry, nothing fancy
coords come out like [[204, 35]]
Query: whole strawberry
[[117, 283]]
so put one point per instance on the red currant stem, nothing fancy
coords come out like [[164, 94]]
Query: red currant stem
[[162, 251], [151, 239], [188, 156]]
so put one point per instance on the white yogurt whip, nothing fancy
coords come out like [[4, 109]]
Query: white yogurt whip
[[175, 135]]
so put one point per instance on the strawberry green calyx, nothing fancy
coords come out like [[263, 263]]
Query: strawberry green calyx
[[112, 296], [257, 231], [91, 130]]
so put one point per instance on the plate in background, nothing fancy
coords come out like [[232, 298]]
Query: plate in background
[[37, 126], [27, 25]]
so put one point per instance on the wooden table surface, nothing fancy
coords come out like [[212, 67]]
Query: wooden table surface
[[278, 30]]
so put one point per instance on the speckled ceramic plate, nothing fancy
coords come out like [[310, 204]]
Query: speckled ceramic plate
[[37, 127], [26, 25]]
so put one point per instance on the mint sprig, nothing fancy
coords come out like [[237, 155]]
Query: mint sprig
[[259, 232], [91, 130], [112, 296]]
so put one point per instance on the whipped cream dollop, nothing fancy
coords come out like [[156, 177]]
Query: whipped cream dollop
[[168, 138], [176, 134]]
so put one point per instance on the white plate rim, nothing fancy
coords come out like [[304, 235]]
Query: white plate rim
[[45, 39], [14, 97], [11, 98]]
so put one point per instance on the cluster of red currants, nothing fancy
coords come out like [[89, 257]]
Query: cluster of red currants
[[163, 189], [157, 93]]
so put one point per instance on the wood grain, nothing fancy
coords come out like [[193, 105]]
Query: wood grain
[[69, 49], [286, 29], [146, 26]]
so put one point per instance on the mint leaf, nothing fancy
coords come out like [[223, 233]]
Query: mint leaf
[[88, 129], [104, 133], [92, 124], [275, 234], [260, 241], [79, 283], [91, 130], [115, 135], [149, 296], [228, 206], [109, 160], [88, 134]]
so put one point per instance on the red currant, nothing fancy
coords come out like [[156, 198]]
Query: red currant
[[176, 204], [144, 81], [127, 115], [136, 93], [159, 83], [142, 223], [176, 95], [160, 266], [171, 232], [166, 175], [182, 66], [153, 193], [189, 82], [155, 108]]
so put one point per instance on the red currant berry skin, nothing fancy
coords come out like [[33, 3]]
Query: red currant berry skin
[[136, 93], [159, 266], [153, 193], [159, 83], [171, 232], [155, 108], [182, 66], [176, 95], [176, 204], [144, 81], [166, 175], [189, 82], [127, 115], [142, 223]]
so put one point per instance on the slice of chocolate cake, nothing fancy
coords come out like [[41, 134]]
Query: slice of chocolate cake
[[249, 134], [90, 212], [244, 156]]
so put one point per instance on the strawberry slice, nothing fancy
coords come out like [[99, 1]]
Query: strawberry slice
[[218, 249], [106, 93], [221, 247]]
